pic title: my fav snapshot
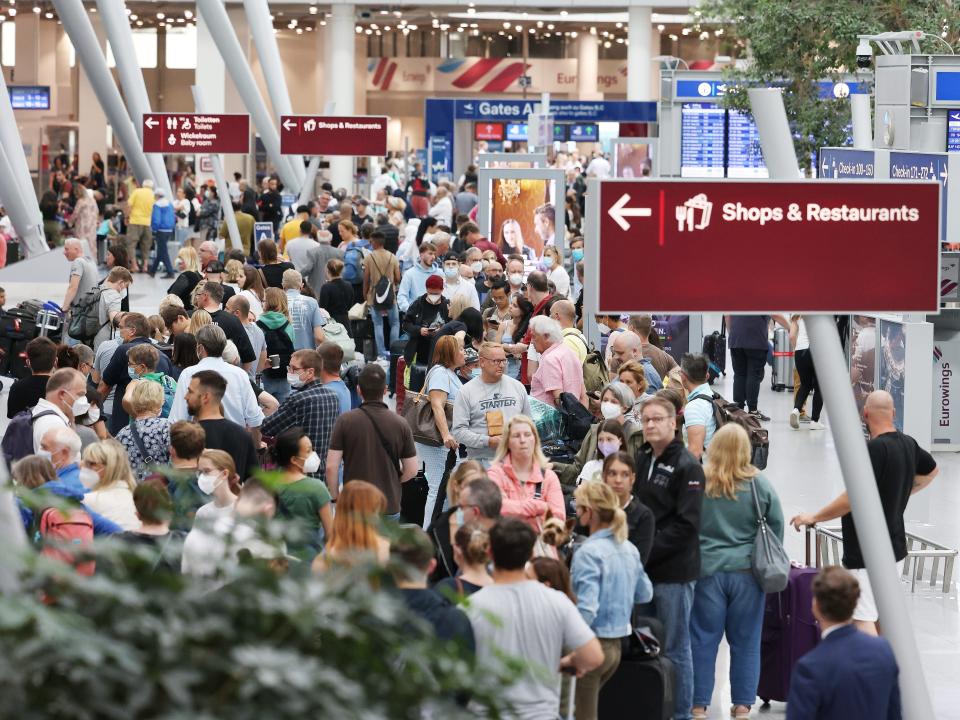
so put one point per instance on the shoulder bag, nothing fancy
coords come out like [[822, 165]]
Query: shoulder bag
[[418, 412], [769, 563], [138, 441]]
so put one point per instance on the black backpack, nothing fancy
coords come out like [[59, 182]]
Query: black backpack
[[85, 316], [727, 412], [576, 418], [278, 343], [383, 291], [18, 439]]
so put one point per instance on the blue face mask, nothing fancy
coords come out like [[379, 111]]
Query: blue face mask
[[475, 373], [577, 254], [459, 515], [132, 373]]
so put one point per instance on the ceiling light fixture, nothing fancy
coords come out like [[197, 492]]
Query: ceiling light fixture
[[188, 14]]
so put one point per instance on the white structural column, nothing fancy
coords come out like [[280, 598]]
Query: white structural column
[[92, 130], [588, 62], [639, 55], [340, 32], [131, 79], [17, 191], [223, 189], [211, 72]]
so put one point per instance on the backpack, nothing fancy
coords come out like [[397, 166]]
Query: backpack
[[383, 290], [727, 412], [192, 213], [278, 343], [353, 265], [85, 317], [66, 535], [18, 439], [169, 386], [595, 373], [337, 333], [576, 418]]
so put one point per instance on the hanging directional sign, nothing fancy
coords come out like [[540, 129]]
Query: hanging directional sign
[[196, 133], [318, 135], [757, 246]]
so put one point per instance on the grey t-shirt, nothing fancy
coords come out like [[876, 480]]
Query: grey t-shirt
[[104, 354], [533, 623], [258, 342], [472, 404], [85, 268]]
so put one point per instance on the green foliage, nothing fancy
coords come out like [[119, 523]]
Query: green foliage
[[795, 44], [135, 642]]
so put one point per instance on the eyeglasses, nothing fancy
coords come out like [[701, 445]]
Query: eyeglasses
[[655, 420], [502, 361]]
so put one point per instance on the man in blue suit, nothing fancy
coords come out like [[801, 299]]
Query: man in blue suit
[[850, 675]]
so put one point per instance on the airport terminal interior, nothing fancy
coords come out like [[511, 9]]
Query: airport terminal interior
[[638, 161]]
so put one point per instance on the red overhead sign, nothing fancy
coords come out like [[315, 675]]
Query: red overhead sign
[[832, 247], [317, 135], [196, 133]]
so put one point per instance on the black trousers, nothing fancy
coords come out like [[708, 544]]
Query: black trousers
[[808, 382], [749, 366]]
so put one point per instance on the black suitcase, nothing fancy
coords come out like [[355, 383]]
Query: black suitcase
[[6, 355], [13, 251], [16, 325], [413, 498], [715, 348], [641, 674], [396, 352], [18, 359]]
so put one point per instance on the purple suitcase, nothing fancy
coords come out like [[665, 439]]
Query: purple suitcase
[[789, 632]]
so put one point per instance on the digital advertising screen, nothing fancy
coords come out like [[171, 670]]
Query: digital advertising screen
[[893, 359], [30, 97], [674, 334], [633, 160], [863, 358], [744, 158], [523, 217], [702, 140], [953, 130], [493, 131], [517, 132], [584, 133]]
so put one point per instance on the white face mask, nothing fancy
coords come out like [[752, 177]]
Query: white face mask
[[312, 463], [80, 406], [208, 482], [516, 279], [476, 267], [604, 329], [610, 410], [45, 454], [294, 379], [93, 415], [89, 478], [433, 299]]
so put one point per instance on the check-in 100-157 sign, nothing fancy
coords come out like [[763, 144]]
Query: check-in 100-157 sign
[[759, 246]]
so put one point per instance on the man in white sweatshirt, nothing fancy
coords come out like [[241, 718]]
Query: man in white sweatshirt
[[485, 405]]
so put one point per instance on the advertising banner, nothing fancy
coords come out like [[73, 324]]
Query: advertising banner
[[189, 133], [863, 359], [674, 332], [946, 413], [523, 216], [751, 230], [893, 357]]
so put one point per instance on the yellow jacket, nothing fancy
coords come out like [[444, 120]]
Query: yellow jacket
[[141, 206]]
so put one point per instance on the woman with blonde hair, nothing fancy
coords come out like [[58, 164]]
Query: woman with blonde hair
[[199, 319], [188, 262], [233, 271], [146, 439], [217, 479], [522, 472], [632, 375], [356, 535], [727, 599], [105, 472], [608, 580], [279, 334], [553, 266]]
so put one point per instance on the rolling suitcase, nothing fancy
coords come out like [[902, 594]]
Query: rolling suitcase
[[643, 673], [396, 352], [715, 348], [18, 359], [781, 379], [789, 632]]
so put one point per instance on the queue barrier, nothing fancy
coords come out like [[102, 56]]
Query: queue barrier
[[825, 547]]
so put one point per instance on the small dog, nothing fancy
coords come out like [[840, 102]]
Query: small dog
[[555, 537]]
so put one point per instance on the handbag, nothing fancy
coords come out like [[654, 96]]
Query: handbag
[[138, 441], [358, 311], [769, 563], [418, 412]]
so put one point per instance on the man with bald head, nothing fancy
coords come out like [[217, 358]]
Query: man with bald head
[[565, 314], [626, 346], [901, 468]]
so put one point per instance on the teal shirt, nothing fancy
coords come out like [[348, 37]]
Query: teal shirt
[[728, 528]]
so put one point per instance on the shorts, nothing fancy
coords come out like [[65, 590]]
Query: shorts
[[866, 610]]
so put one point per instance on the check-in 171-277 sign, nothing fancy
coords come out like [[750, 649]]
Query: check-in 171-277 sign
[[831, 247], [196, 133], [354, 135]]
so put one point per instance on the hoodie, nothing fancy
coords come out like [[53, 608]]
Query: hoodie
[[274, 320], [162, 219], [413, 284], [101, 526]]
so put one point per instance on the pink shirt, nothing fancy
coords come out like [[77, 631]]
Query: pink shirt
[[559, 369], [515, 494]]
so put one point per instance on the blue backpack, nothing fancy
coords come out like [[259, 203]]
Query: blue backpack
[[353, 265]]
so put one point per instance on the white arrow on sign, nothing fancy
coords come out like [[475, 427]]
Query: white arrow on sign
[[150, 123], [287, 124], [619, 211]]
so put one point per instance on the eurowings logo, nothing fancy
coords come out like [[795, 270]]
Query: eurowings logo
[[948, 286], [495, 74], [937, 354], [383, 71], [686, 214]]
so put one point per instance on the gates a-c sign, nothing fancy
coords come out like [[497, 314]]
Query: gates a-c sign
[[317, 135], [196, 133], [759, 246]]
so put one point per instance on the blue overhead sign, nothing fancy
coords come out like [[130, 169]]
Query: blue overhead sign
[[704, 88], [562, 110], [845, 163], [439, 156], [923, 166]]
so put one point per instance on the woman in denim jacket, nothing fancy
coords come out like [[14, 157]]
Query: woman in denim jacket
[[608, 580]]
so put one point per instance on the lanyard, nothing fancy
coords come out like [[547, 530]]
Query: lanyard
[[653, 464]]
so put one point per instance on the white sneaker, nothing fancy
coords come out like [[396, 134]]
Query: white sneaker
[[816, 425], [795, 419]]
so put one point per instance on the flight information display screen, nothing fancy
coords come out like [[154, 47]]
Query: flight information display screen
[[744, 159], [702, 140], [953, 130], [30, 97]]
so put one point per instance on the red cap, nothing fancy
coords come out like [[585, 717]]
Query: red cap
[[434, 282]]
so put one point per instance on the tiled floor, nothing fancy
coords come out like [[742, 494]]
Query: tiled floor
[[803, 467]]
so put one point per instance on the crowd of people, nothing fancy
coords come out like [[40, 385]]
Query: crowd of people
[[260, 388]]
